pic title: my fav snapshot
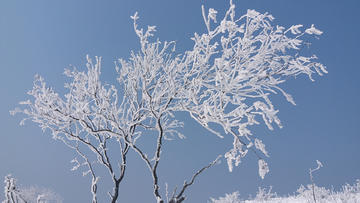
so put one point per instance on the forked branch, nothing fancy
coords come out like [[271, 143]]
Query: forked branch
[[181, 197]]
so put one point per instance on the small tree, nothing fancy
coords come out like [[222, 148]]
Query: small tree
[[240, 59], [12, 194], [33, 194]]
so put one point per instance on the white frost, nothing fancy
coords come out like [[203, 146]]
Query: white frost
[[263, 168]]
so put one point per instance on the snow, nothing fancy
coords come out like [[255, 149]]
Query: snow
[[348, 194]]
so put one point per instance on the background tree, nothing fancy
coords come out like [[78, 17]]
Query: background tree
[[12, 195], [32, 194], [225, 79]]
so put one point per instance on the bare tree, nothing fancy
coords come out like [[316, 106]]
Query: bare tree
[[242, 58]]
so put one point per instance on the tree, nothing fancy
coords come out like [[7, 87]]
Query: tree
[[33, 194], [225, 79], [12, 195]]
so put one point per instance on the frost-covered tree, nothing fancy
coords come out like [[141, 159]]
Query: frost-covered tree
[[32, 194], [225, 79], [12, 195]]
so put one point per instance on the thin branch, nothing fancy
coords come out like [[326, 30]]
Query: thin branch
[[180, 197]]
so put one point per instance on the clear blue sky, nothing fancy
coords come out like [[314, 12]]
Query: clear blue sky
[[44, 37]]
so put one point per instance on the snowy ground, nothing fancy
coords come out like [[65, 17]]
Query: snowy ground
[[348, 194]]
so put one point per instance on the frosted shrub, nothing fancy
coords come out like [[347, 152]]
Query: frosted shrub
[[36, 194], [321, 194], [348, 194], [263, 196], [229, 198]]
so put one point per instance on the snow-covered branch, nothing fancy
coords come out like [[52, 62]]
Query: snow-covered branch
[[249, 62]]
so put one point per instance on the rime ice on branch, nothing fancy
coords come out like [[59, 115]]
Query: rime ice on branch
[[225, 79], [248, 62]]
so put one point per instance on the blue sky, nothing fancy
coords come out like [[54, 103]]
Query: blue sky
[[45, 37]]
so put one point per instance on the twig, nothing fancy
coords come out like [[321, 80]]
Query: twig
[[312, 181]]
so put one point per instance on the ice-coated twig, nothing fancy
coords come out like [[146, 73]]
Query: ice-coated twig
[[311, 177]]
